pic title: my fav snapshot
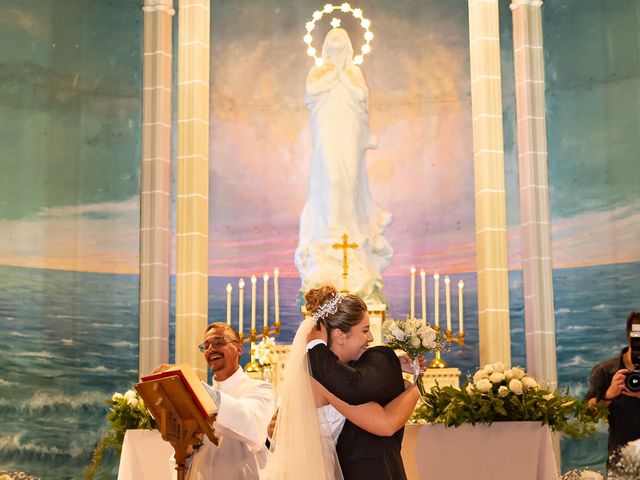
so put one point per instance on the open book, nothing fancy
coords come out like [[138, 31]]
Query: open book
[[193, 385]]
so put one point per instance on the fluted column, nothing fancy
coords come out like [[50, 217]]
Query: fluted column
[[155, 176], [537, 268], [193, 182], [488, 160]]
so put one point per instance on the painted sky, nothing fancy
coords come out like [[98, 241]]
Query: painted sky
[[71, 136]]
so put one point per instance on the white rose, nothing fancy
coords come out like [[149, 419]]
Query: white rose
[[429, 338], [117, 396], [488, 369], [529, 382], [483, 385], [496, 377], [502, 391], [508, 374], [517, 372], [590, 475], [548, 396], [499, 367], [415, 342], [399, 334], [470, 390], [133, 402], [515, 386], [479, 375], [129, 394]]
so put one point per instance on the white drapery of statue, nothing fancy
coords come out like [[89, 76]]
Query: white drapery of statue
[[339, 199]]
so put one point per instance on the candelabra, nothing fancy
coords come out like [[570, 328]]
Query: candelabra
[[438, 362]]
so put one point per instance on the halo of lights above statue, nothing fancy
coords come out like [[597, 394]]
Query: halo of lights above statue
[[365, 23]]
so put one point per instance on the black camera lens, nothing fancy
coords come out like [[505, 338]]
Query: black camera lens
[[632, 381]]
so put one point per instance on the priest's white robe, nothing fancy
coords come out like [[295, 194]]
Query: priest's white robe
[[245, 409]]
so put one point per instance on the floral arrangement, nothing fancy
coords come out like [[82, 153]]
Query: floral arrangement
[[581, 475], [265, 351], [4, 475], [416, 337], [626, 466], [127, 411], [496, 394]]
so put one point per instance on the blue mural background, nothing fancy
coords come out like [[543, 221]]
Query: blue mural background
[[69, 206]]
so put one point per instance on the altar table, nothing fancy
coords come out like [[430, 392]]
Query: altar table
[[146, 456], [501, 451]]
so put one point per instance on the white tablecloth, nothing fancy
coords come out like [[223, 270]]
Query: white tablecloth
[[146, 456], [501, 451]]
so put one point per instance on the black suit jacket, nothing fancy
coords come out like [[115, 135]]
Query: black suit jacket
[[375, 376]]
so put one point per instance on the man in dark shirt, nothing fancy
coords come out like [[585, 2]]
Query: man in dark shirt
[[607, 387]]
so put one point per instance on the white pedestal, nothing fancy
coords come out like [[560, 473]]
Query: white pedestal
[[446, 377]]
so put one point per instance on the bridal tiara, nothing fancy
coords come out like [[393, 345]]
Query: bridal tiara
[[328, 308]]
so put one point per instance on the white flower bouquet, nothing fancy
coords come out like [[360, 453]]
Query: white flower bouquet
[[416, 337], [496, 393], [265, 351], [626, 462], [127, 411]]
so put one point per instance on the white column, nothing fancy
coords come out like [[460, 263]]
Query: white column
[[537, 267], [155, 235], [192, 215], [488, 159]]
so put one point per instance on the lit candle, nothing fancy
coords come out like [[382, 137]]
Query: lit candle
[[240, 305], [423, 291], [276, 294], [229, 303], [265, 315], [436, 299], [460, 307], [413, 292], [447, 294], [254, 280]]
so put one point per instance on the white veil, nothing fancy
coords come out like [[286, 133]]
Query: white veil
[[300, 450]]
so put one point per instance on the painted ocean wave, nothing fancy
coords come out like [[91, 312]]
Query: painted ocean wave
[[46, 403]]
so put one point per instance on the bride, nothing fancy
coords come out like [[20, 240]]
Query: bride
[[310, 418]]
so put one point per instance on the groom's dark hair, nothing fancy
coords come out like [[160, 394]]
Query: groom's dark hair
[[349, 310]]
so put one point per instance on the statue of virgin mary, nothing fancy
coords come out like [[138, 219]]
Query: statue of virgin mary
[[339, 200]]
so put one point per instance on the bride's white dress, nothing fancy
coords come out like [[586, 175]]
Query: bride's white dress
[[303, 444]]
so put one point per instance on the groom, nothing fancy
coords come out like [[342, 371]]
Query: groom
[[376, 376]]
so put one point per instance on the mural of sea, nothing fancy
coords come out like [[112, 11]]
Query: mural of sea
[[69, 340]]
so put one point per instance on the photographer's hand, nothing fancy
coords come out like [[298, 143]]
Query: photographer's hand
[[617, 385]]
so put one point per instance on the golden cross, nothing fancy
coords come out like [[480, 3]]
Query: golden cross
[[345, 245]]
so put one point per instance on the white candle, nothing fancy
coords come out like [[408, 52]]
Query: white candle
[[423, 292], [240, 305], [460, 307], [436, 299], [254, 280], [229, 288], [265, 315], [447, 294], [413, 292], [276, 294]]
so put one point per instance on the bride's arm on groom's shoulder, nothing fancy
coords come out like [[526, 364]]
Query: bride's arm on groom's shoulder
[[372, 417]]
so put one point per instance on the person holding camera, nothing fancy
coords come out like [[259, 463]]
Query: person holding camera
[[615, 384]]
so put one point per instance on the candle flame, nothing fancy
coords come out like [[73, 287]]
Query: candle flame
[[254, 279], [460, 284], [229, 288], [422, 273], [241, 283], [276, 272], [447, 280], [265, 277]]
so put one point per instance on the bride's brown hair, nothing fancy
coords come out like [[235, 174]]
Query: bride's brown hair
[[350, 309]]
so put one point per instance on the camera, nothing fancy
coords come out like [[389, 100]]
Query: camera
[[632, 381]]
